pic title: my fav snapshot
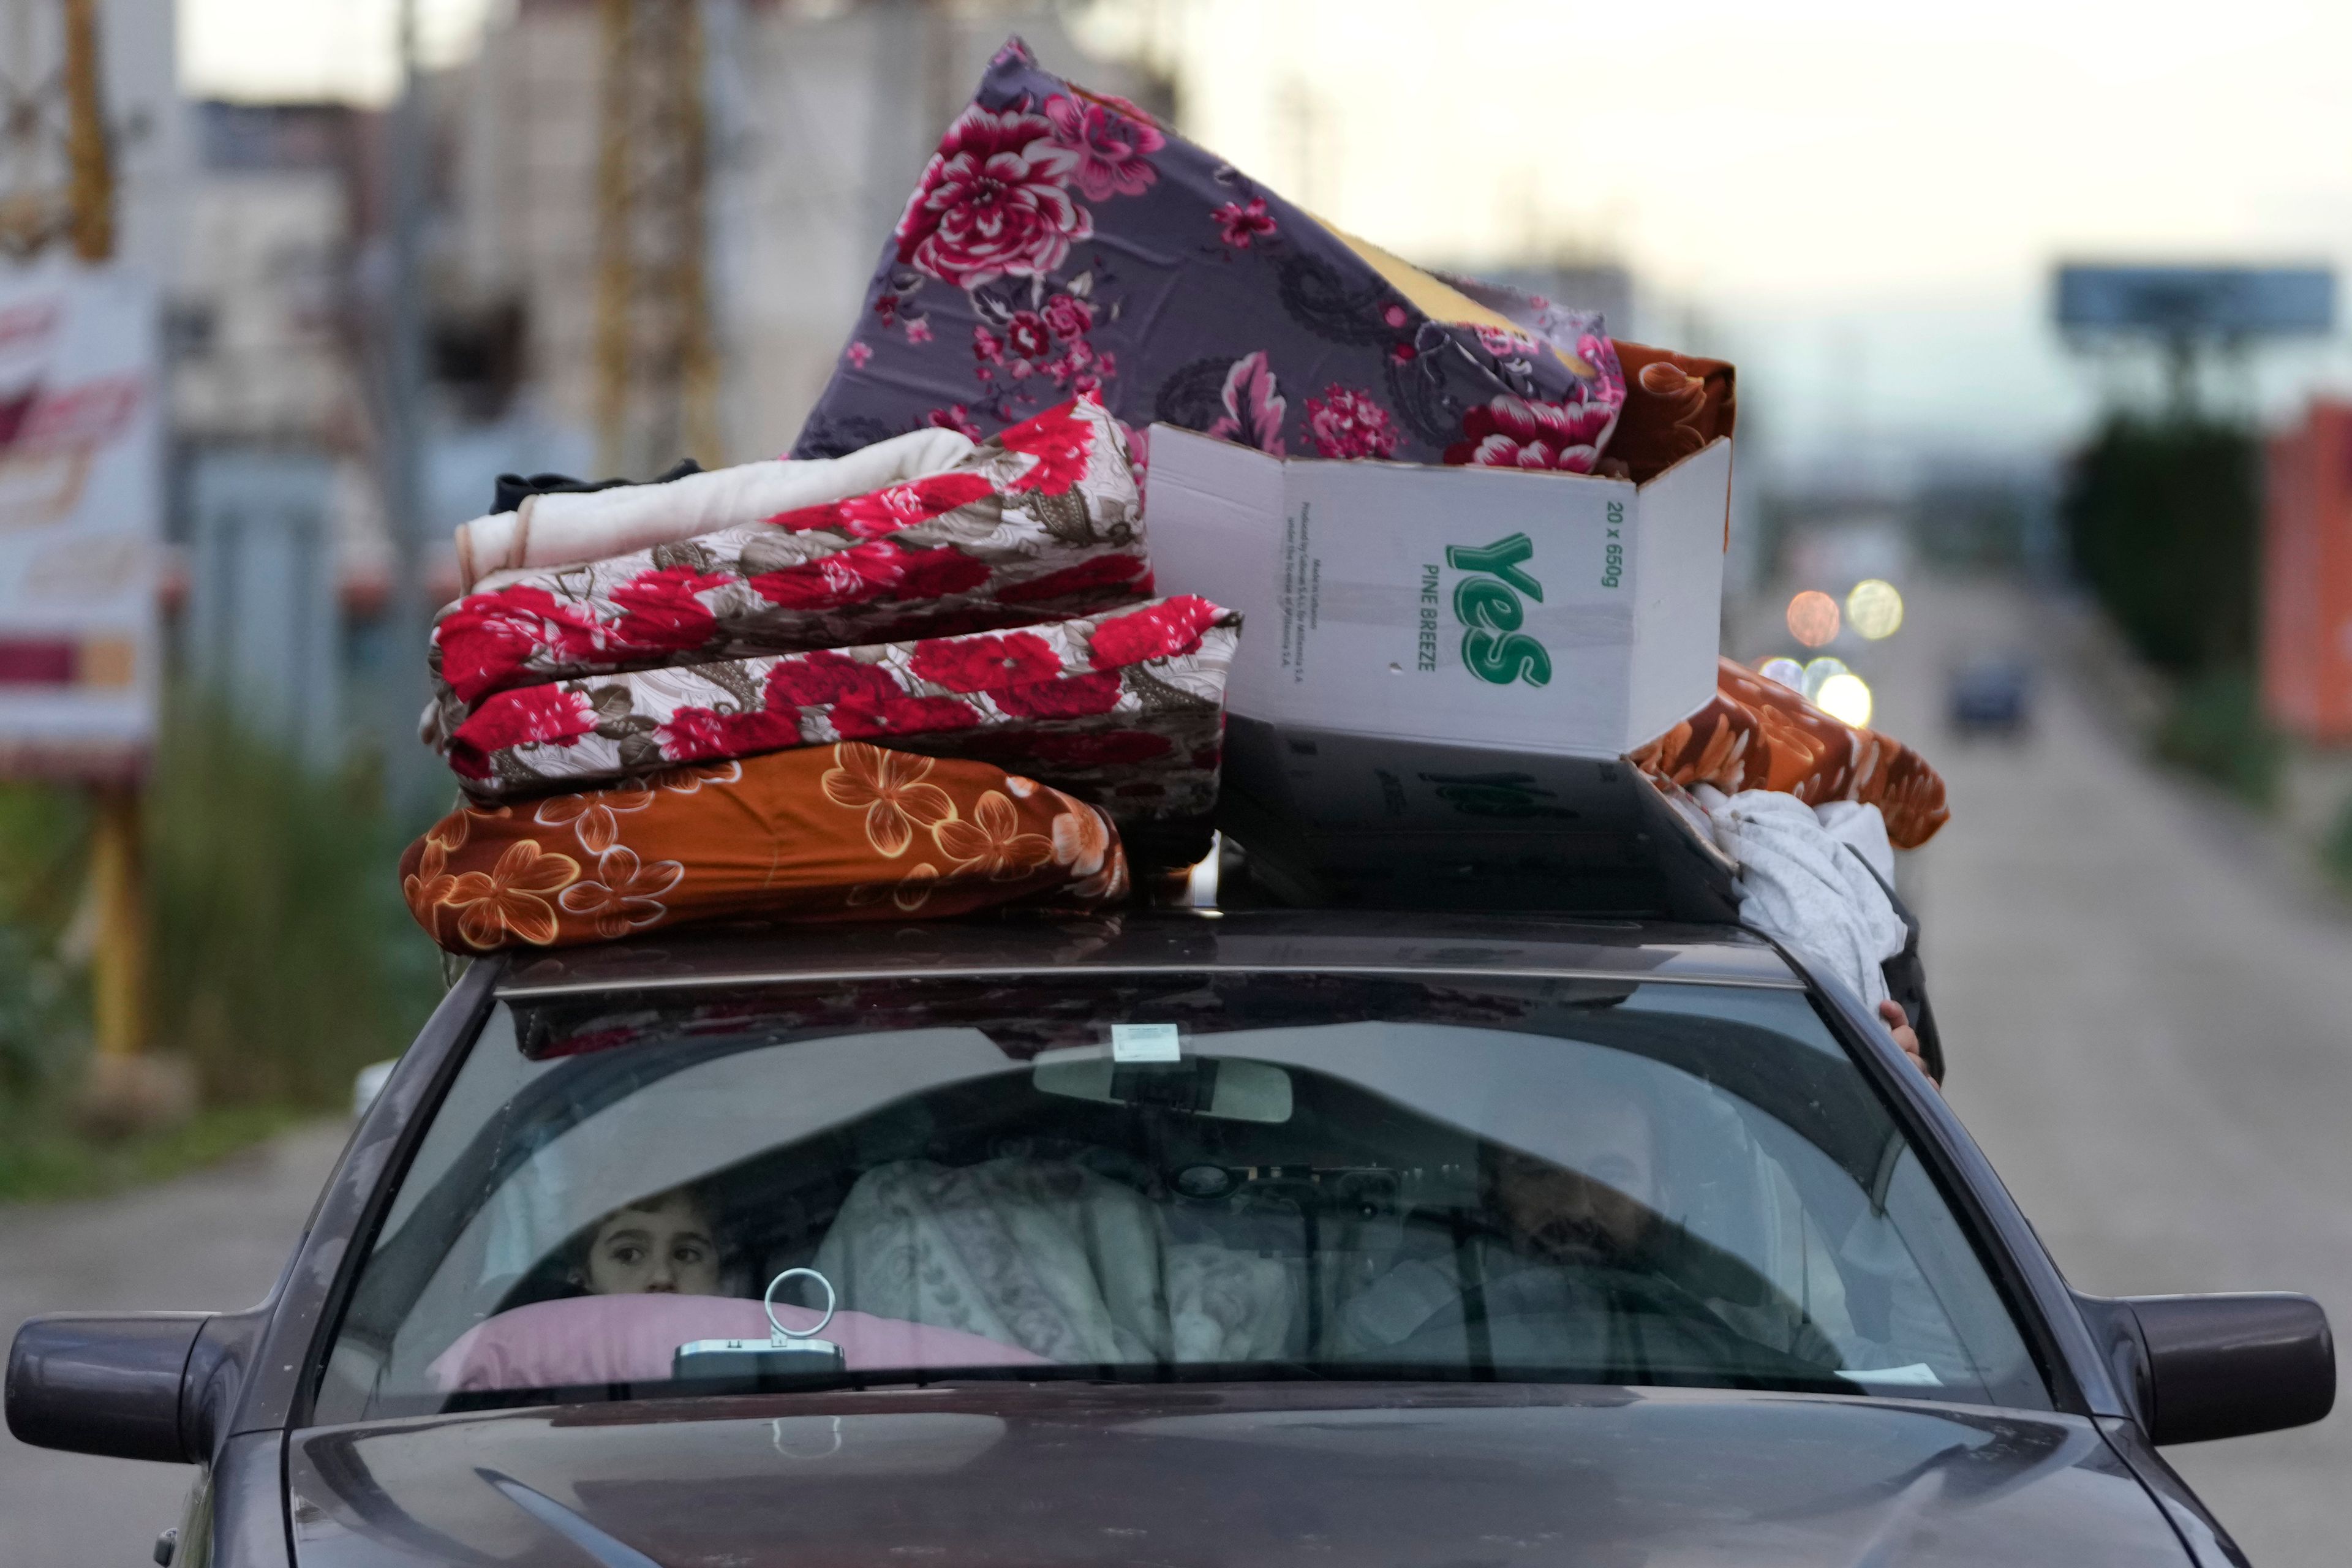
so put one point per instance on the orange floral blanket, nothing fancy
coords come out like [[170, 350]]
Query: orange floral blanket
[[1758, 734], [841, 832]]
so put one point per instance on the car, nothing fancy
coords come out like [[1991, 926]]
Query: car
[[1178, 1236], [1991, 696]]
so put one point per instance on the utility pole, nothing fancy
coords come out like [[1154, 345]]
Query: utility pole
[[118, 882], [403, 362], [89, 161], [656, 367]]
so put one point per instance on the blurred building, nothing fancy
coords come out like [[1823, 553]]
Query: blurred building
[[819, 122], [271, 340], [2306, 612], [261, 309], [263, 341], [1988, 512], [2305, 637]]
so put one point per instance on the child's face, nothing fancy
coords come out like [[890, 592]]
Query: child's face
[[664, 1246]]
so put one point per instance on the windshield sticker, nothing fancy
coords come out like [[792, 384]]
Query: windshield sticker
[[1144, 1043]]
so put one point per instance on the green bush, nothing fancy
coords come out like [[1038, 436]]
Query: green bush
[[283, 959], [44, 997], [2163, 517], [45, 1157], [2335, 851], [2216, 729]]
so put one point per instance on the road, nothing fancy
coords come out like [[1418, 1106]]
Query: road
[[2145, 1012], [2147, 1032], [215, 1240]]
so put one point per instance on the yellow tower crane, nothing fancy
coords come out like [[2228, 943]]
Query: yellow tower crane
[[59, 168], [656, 367]]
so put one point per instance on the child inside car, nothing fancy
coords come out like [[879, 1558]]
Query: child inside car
[[662, 1245]]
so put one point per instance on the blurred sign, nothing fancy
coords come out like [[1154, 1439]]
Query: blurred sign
[[80, 498], [2217, 301]]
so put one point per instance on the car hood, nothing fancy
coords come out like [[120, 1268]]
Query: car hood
[[1315, 1475]]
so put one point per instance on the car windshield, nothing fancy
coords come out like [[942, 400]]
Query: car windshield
[[1223, 1174]]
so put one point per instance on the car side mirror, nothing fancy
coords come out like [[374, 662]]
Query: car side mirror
[[131, 1385], [111, 1383], [2202, 1367]]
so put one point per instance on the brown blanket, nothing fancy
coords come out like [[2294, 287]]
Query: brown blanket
[[841, 832], [1675, 406], [1758, 734]]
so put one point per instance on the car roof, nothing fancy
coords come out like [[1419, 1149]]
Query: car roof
[[1309, 940]]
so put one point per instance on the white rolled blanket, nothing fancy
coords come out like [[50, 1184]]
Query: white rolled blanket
[[564, 529], [1862, 830], [1800, 884]]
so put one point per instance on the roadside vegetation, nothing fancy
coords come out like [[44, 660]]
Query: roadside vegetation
[[2163, 517], [281, 958], [2215, 729], [2336, 853]]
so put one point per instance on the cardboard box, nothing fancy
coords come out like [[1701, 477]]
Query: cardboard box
[[1541, 612], [1355, 821], [1389, 744]]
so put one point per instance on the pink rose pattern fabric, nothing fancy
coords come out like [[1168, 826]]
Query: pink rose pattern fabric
[[1060, 241], [1123, 710], [1043, 520]]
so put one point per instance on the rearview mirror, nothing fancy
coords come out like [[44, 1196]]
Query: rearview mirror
[[1228, 1089], [2205, 1367]]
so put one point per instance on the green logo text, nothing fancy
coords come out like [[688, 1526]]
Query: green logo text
[[1488, 608]]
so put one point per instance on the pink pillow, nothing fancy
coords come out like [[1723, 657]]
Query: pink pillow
[[631, 1339]]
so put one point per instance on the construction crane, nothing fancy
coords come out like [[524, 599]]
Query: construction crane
[[54, 152], [656, 367]]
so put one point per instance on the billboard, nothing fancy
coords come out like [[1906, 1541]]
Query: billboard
[[80, 487], [2202, 302]]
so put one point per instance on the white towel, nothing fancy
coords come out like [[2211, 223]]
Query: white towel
[[1863, 829], [1800, 885], [563, 529]]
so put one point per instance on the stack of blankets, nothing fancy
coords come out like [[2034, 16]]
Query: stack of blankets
[[926, 676], [921, 670]]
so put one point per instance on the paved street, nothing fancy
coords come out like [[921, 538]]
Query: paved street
[[2145, 1019], [2145, 1016], [213, 1239]]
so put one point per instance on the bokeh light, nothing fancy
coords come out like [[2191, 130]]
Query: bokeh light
[[1874, 608], [1810, 679], [1813, 618], [1786, 671], [1845, 695]]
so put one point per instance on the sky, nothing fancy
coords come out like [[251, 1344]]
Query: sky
[[1859, 202], [312, 48]]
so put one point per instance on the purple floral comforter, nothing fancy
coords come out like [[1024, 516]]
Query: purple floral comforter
[[1061, 241]]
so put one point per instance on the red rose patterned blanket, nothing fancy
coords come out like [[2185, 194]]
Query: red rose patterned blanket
[[1041, 521], [1125, 710]]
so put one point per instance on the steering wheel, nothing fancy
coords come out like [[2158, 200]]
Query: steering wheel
[[1745, 1361]]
